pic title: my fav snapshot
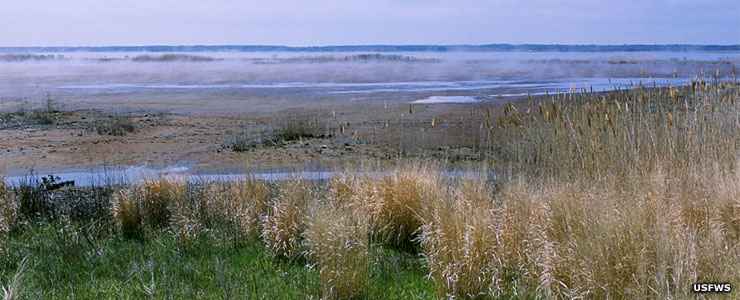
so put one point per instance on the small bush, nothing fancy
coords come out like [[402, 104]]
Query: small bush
[[284, 224], [337, 243]]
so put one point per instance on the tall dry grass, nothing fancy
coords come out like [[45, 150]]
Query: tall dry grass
[[460, 243], [237, 206], [587, 241], [633, 195], [337, 243], [397, 202], [599, 136], [285, 222], [190, 207], [147, 205]]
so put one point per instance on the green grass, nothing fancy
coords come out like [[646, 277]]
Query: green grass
[[70, 261]]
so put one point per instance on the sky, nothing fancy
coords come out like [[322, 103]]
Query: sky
[[352, 22]]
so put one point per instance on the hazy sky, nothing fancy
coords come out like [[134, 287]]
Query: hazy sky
[[323, 22]]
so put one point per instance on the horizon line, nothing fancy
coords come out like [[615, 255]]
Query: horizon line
[[390, 47]]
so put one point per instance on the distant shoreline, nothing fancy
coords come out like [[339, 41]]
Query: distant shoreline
[[386, 48]]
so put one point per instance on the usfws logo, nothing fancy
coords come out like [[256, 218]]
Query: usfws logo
[[706, 288]]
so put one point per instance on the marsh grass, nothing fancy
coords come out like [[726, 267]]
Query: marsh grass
[[337, 243], [14, 289], [624, 133], [115, 126], [8, 209], [398, 203], [279, 131], [285, 222], [148, 205], [627, 195]]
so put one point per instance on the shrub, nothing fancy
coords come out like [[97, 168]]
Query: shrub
[[337, 243], [285, 222]]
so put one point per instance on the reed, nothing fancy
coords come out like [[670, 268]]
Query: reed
[[617, 135]]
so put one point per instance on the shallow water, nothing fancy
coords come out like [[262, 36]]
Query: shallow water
[[513, 88], [135, 174]]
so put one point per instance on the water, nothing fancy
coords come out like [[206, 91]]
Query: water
[[137, 174], [447, 100], [513, 88]]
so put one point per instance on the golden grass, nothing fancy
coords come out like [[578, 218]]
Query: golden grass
[[633, 195], [285, 222], [620, 134], [460, 245], [337, 242], [570, 240], [146, 205], [250, 202], [397, 202], [237, 205], [188, 208]]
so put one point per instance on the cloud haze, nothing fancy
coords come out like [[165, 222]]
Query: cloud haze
[[323, 22]]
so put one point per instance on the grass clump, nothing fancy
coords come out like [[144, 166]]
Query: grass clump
[[337, 243], [146, 206], [251, 205], [236, 206], [397, 204], [462, 246], [284, 224]]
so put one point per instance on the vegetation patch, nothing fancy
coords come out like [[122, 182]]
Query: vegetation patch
[[621, 196], [115, 126], [172, 58]]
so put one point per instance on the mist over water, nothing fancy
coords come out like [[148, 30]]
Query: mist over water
[[84, 79]]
